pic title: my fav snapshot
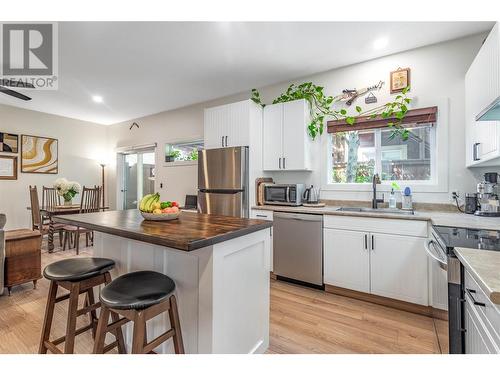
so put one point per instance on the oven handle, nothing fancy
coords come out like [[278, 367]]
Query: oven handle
[[428, 248]]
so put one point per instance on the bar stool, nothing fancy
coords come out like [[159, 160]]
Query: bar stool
[[78, 276], [139, 297]]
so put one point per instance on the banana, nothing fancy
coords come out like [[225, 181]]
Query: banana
[[149, 204], [142, 203]]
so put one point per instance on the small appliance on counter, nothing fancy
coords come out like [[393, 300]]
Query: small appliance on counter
[[470, 203], [283, 194], [487, 196], [310, 198]]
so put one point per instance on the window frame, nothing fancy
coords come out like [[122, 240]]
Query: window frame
[[178, 163], [439, 171]]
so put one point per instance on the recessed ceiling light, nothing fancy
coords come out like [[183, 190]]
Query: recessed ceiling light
[[97, 98], [380, 43]]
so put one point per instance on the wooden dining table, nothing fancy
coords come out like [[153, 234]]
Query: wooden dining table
[[57, 211]]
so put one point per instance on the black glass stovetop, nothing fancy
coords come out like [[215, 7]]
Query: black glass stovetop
[[471, 238]]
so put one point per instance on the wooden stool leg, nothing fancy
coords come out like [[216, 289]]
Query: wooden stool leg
[[77, 239], [139, 333], [69, 344], [101, 331], [34, 283], [49, 315], [115, 317], [92, 314], [176, 325]]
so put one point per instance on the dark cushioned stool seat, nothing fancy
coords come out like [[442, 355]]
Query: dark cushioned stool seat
[[137, 290], [77, 269]]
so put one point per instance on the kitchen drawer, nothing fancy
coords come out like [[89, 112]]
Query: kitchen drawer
[[414, 228], [262, 215], [490, 313]]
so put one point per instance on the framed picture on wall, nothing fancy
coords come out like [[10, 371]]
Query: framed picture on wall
[[8, 167], [9, 142], [39, 155], [400, 79]]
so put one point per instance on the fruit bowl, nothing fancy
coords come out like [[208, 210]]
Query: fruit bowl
[[159, 217]]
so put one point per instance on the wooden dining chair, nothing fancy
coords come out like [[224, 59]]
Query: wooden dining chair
[[91, 198], [38, 222]]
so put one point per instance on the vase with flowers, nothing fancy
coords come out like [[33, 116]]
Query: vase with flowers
[[67, 189]]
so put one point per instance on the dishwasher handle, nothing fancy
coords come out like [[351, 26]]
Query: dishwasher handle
[[295, 216]]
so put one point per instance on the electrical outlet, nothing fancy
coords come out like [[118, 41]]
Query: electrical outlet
[[455, 195]]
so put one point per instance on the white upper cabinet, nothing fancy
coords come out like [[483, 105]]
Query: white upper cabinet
[[482, 87], [285, 139], [228, 125]]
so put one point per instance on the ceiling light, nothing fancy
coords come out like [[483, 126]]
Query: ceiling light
[[97, 98], [380, 43]]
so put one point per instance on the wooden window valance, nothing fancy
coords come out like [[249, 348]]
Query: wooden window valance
[[413, 118]]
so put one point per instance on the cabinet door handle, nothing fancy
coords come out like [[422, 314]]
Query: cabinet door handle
[[366, 242], [222, 141], [226, 140], [279, 163], [373, 242], [284, 166], [261, 215], [475, 152], [469, 292]]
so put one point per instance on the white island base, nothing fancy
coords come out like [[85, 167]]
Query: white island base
[[222, 290]]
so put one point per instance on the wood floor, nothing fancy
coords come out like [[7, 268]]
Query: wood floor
[[303, 320]]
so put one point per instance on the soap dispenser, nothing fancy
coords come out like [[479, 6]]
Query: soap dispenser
[[392, 199]]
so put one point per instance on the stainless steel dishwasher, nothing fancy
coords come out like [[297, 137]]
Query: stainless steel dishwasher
[[298, 247]]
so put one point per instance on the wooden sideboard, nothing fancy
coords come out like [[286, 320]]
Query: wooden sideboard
[[22, 257]]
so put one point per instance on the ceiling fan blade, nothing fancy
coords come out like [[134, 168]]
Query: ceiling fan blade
[[16, 83], [13, 93]]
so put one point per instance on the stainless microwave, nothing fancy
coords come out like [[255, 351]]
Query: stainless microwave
[[284, 194]]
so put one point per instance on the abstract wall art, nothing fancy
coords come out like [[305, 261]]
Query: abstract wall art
[[9, 142], [39, 155]]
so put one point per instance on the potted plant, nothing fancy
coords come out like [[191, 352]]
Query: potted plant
[[67, 189]]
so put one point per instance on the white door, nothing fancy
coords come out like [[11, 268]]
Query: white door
[[346, 259], [294, 135], [399, 268], [273, 137]]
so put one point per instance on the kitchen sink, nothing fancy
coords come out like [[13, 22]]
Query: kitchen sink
[[375, 210]]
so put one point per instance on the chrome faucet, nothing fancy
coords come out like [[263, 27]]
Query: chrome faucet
[[375, 181]]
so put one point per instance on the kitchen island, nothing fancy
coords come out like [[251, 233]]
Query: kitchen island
[[220, 265]]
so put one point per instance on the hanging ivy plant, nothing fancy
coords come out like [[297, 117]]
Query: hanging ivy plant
[[321, 107]]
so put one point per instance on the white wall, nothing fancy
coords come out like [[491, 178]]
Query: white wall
[[80, 144], [437, 76]]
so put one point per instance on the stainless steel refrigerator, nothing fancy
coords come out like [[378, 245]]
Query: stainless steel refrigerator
[[223, 181]]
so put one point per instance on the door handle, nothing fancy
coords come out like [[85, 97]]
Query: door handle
[[222, 141], [373, 242], [279, 163], [366, 242], [226, 140], [284, 166]]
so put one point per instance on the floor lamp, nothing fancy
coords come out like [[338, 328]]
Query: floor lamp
[[103, 190]]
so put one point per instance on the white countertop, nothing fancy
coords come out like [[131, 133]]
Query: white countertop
[[484, 266], [448, 219]]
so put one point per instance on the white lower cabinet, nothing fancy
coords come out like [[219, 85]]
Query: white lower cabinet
[[398, 268], [346, 259], [384, 264]]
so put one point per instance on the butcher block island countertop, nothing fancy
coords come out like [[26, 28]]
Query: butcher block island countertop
[[189, 232], [220, 266]]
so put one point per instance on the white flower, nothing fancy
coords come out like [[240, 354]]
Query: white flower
[[61, 185], [75, 186]]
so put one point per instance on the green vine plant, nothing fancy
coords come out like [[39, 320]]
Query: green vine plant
[[321, 108]]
